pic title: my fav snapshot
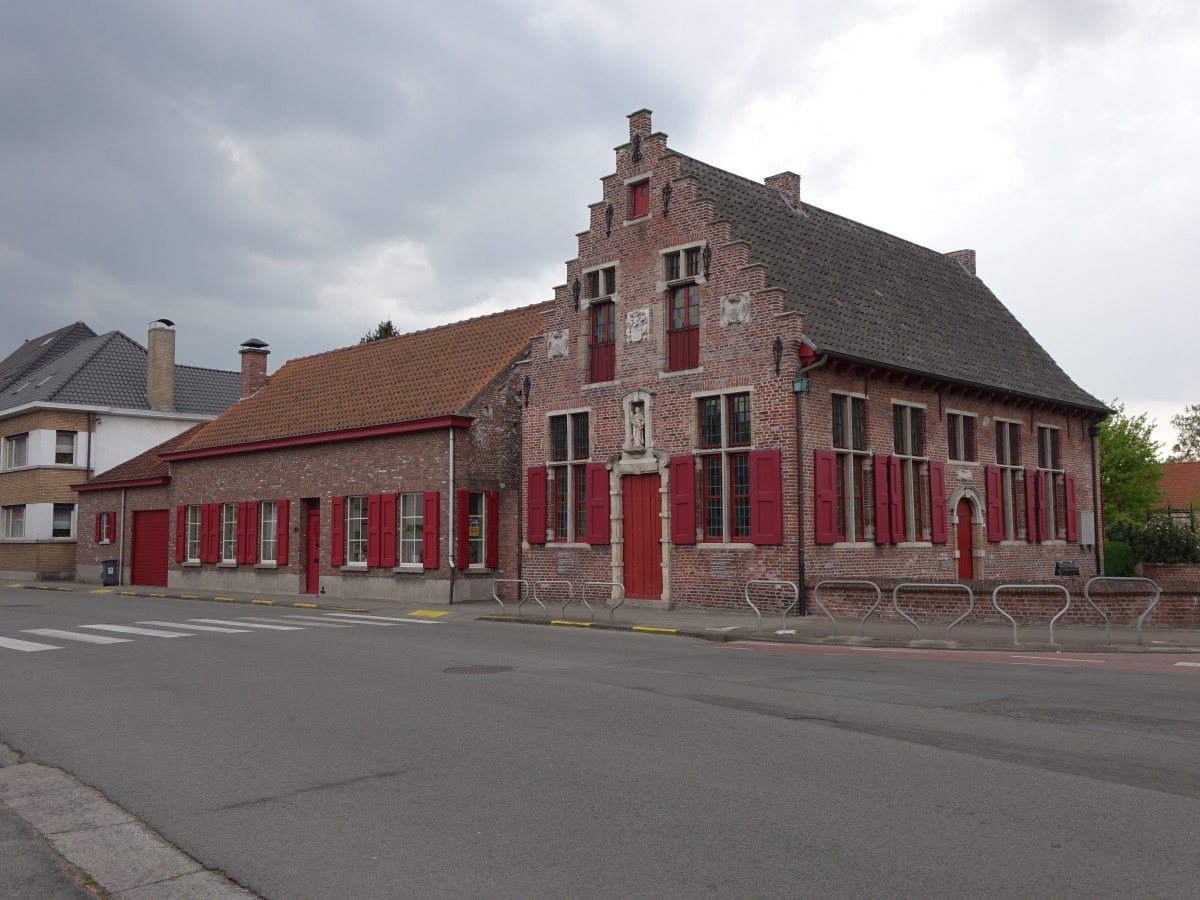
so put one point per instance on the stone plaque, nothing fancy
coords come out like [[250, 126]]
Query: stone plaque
[[637, 325], [556, 343], [735, 308]]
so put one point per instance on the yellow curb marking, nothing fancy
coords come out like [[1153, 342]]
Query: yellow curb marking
[[262, 602], [305, 605], [128, 593], [15, 585], [646, 629], [570, 623], [429, 613], [225, 599], [188, 597], [103, 591]]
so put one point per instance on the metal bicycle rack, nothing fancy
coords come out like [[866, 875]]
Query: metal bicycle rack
[[841, 582], [1031, 587], [608, 584], [520, 600], [773, 583], [1087, 595], [538, 585], [942, 585]]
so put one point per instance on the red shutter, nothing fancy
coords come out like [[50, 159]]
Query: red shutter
[[430, 530], [252, 513], [98, 532], [337, 531], [883, 514], [373, 512], [240, 554], [387, 530], [205, 517], [598, 531], [462, 528], [535, 502], [282, 529], [491, 544], [1072, 514], [1032, 533], [766, 497], [112, 526], [180, 533], [213, 532], [682, 475], [995, 504], [896, 498], [825, 496], [937, 501]]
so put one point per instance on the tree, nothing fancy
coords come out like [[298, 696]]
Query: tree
[[1129, 466], [1187, 423], [384, 329]]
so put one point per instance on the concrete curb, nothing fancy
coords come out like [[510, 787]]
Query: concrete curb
[[163, 595]]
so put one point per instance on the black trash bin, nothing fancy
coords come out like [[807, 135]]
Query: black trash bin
[[108, 572]]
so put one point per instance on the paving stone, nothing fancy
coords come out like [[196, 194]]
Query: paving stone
[[121, 857]]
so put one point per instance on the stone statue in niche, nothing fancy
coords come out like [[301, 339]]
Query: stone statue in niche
[[637, 325], [637, 425], [556, 343]]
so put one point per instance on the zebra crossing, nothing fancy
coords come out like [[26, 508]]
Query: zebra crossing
[[114, 633]]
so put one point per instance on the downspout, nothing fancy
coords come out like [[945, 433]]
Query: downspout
[[450, 542], [801, 584], [121, 542], [1093, 433], [91, 436], [520, 500]]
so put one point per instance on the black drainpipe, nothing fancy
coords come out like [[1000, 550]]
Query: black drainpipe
[[802, 584], [1093, 433]]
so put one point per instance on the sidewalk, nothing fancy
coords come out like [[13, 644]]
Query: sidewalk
[[717, 625]]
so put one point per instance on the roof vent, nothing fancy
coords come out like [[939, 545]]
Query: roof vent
[[254, 343]]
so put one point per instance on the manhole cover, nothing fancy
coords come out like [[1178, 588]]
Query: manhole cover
[[477, 670]]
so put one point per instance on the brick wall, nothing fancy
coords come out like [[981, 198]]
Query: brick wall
[[88, 552]]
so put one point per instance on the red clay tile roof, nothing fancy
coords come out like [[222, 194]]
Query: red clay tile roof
[[420, 375], [147, 464], [1181, 483]]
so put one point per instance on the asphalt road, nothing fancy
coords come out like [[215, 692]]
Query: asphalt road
[[355, 762]]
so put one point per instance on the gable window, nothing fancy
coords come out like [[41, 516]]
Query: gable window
[[63, 523], [356, 530], [601, 282], [960, 437], [639, 199], [193, 532], [14, 522], [64, 448], [268, 513], [229, 532], [1009, 482], [908, 441], [570, 448], [724, 431], [1052, 493], [412, 530], [854, 518], [16, 451], [602, 341]]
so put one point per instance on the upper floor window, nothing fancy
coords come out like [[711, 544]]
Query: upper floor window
[[16, 451], [683, 328], [601, 282], [63, 523], [639, 199], [854, 516], [14, 521], [602, 341], [908, 441], [724, 432], [960, 437], [64, 448], [570, 448]]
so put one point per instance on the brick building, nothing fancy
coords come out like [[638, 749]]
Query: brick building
[[73, 402], [733, 384], [387, 469]]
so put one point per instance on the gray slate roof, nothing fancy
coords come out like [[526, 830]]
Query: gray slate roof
[[36, 352], [110, 370], [867, 295]]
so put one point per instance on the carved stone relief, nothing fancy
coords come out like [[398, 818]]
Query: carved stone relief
[[556, 343], [637, 325], [735, 308]]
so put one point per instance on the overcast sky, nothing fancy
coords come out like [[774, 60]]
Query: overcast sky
[[299, 171]]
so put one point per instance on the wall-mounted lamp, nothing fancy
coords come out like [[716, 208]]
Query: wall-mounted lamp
[[525, 388], [777, 349], [800, 385], [575, 289]]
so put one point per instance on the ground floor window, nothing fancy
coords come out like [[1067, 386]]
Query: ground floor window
[[268, 514], [412, 530], [356, 530], [14, 521], [193, 533], [63, 523], [229, 532], [475, 527]]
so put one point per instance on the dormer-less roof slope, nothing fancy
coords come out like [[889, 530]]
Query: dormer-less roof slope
[[38, 351], [110, 370], [1180, 483], [416, 376], [868, 296]]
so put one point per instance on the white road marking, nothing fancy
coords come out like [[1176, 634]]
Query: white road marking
[[199, 627], [249, 624], [1098, 662], [73, 636], [25, 646], [380, 620], [129, 629], [1197, 664], [313, 620], [306, 624]]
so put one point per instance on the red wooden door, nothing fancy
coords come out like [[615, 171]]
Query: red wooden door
[[148, 561], [643, 536], [966, 561], [312, 552]]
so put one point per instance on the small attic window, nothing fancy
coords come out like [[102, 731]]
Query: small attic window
[[47, 341], [639, 199], [47, 378], [22, 387]]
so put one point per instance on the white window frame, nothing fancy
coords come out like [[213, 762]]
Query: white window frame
[[73, 437], [15, 518], [1049, 442], [1012, 478], [268, 522], [12, 444], [229, 533], [849, 460], [356, 530], [412, 530], [193, 534], [476, 529]]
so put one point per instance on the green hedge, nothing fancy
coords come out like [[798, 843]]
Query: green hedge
[[1161, 540], [1119, 560]]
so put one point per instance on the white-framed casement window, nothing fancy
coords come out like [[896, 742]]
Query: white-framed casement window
[[723, 427], [960, 437], [62, 525], [356, 531], [908, 442], [268, 512], [64, 448], [229, 532], [193, 533], [476, 524], [570, 449], [16, 451], [1050, 464], [1012, 478], [104, 529], [13, 522], [855, 518], [412, 530]]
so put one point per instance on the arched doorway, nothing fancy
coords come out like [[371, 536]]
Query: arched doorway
[[965, 540]]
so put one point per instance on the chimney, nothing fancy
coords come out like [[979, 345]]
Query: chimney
[[788, 184], [966, 259], [160, 365], [254, 366], [639, 124]]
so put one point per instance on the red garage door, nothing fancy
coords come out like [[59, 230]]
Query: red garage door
[[150, 540]]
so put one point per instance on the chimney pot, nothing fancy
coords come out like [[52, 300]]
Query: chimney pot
[[254, 366]]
